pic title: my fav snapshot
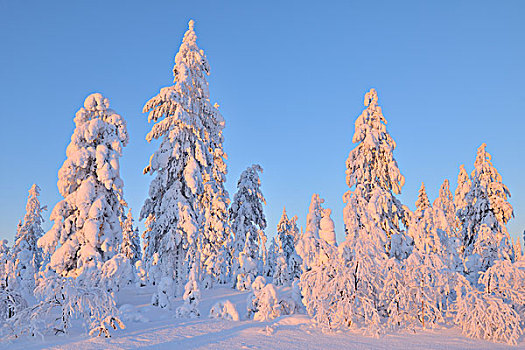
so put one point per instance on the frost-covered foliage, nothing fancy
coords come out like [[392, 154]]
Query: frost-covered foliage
[[485, 315], [116, 273], [130, 246], [186, 210], [484, 216], [286, 263], [506, 280], [263, 302], [62, 300], [86, 230], [11, 304], [372, 172], [191, 297], [224, 310], [26, 257], [247, 223]]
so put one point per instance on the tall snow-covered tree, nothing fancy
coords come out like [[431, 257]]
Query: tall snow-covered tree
[[86, 230], [248, 223], [347, 289], [186, 210], [130, 246], [373, 174], [484, 216], [25, 254]]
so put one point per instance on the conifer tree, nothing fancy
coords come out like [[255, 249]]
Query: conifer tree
[[86, 230], [310, 246], [130, 246], [373, 173], [484, 216], [421, 227], [186, 210], [25, 255], [445, 210], [247, 223], [287, 264]]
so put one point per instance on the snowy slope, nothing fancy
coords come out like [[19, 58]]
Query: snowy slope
[[149, 327]]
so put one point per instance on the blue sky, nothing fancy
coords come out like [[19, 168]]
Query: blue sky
[[290, 77]]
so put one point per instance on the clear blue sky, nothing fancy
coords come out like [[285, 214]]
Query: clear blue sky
[[289, 76]]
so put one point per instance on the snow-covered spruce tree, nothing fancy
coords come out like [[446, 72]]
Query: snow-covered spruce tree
[[346, 291], [86, 230], [25, 255], [130, 246], [186, 207], [310, 246], [373, 173], [247, 222], [421, 226], [484, 216], [445, 224], [287, 266], [445, 210]]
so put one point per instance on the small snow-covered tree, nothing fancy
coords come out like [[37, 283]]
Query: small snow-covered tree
[[25, 255], [309, 246], [287, 264], [186, 210], [421, 226], [247, 223], [263, 302], [130, 246], [86, 230], [191, 297], [224, 310]]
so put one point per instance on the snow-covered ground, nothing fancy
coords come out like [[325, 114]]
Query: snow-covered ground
[[149, 327]]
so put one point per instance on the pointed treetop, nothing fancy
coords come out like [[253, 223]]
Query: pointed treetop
[[34, 191], [191, 24], [371, 98], [482, 155], [422, 202]]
